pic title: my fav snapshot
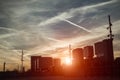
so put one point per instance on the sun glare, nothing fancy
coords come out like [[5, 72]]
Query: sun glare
[[68, 61]]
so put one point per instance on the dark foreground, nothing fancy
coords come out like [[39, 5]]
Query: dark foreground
[[64, 78]]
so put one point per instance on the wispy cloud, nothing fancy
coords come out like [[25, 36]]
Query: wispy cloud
[[72, 12]]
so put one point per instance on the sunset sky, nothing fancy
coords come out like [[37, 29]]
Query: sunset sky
[[47, 27]]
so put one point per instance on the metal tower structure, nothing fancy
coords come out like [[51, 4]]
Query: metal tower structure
[[110, 29], [110, 42], [70, 54]]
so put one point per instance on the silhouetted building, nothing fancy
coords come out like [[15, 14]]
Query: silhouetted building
[[77, 55], [34, 63], [98, 49], [57, 65], [108, 50], [41, 64], [57, 62], [117, 67], [105, 49], [88, 52]]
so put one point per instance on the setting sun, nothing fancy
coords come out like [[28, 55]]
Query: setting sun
[[68, 61]]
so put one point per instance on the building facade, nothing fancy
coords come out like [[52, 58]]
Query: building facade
[[88, 52]]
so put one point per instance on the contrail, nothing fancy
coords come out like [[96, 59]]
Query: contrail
[[76, 25]]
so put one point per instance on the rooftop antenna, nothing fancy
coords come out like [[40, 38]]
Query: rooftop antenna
[[110, 29]]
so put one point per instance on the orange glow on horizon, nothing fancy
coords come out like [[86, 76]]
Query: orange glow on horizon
[[68, 61]]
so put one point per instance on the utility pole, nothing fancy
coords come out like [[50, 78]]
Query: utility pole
[[22, 61], [110, 29], [4, 66]]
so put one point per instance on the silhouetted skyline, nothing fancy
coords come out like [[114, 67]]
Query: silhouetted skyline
[[42, 27]]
